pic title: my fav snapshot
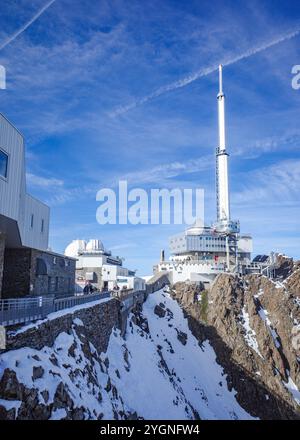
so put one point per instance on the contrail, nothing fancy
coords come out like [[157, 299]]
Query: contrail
[[202, 72], [29, 23]]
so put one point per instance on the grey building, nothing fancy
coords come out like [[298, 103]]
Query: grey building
[[26, 265]]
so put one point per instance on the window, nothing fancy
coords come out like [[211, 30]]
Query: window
[[42, 225], [3, 164], [31, 221]]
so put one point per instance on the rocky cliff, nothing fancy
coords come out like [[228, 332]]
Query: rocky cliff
[[63, 369], [253, 323], [230, 353]]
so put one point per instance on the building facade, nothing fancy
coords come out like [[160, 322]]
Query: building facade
[[24, 229]]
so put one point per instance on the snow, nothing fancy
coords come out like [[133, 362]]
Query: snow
[[259, 293], [250, 336], [264, 316], [293, 389], [10, 404], [198, 377], [158, 383], [58, 414], [78, 321], [297, 301]]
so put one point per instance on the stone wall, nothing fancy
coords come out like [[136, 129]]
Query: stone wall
[[2, 247], [33, 272], [16, 275], [98, 320], [161, 281], [67, 348], [60, 276]]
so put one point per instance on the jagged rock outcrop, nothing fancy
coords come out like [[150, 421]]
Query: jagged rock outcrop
[[253, 324]]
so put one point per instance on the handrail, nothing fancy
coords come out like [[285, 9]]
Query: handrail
[[21, 310]]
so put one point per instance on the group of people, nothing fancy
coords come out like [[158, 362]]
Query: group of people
[[89, 288]]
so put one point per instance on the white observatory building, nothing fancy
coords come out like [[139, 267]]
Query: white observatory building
[[97, 266], [200, 253]]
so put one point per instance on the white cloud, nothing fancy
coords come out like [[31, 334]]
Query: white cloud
[[43, 182], [276, 184], [204, 72]]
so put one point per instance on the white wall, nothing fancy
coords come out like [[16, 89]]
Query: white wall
[[245, 244], [85, 261], [192, 271], [111, 272], [34, 236]]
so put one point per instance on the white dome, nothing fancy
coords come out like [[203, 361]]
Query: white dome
[[95, 246], [75, 248]]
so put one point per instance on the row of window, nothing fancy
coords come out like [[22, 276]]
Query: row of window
[[32, 223], [195, 239]]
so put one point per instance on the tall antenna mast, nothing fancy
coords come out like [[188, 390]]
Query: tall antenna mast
[[223, 208]]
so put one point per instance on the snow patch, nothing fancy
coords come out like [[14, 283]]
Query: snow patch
[[293, 389], [264, 316], [58, 414], [250, 335]]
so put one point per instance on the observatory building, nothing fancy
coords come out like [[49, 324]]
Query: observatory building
[[200, 253], [96, 266]]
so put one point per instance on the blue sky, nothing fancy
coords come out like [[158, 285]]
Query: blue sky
[[76, 83]]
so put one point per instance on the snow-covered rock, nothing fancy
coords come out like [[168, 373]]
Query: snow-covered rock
[[159, 371]]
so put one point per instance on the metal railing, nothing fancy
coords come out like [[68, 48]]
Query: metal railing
[[24, 310], [66, 303]]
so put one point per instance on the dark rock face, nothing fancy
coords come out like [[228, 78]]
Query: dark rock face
[[159, 311], [253, 326], [10, 387], [38, 372], [182, 337]]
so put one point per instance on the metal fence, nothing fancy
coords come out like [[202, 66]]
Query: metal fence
[[23, 310], [65, 303]]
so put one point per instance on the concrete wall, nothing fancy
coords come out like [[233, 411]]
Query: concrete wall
[[23, 275]]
